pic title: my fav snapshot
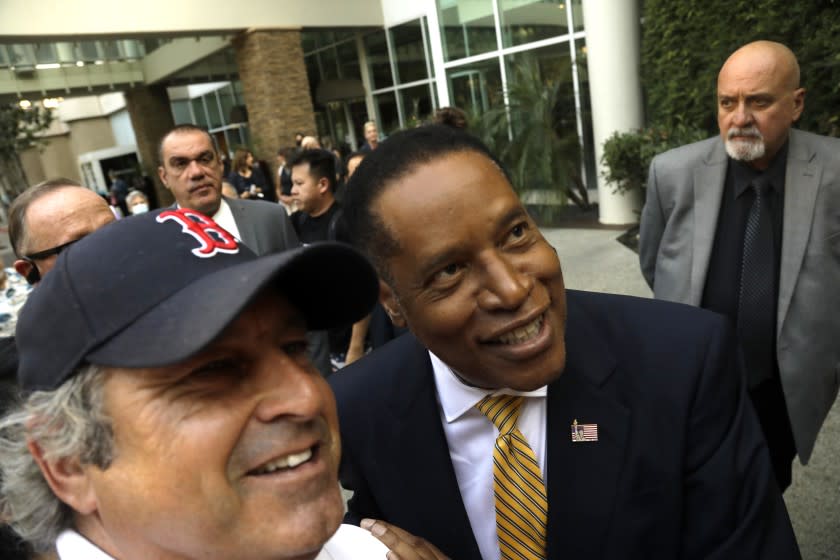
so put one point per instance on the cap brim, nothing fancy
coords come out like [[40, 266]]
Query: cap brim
[[188, 321]]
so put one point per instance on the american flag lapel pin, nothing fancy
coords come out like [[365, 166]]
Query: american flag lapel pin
[[584, 432]]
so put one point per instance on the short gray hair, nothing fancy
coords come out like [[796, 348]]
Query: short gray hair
[[67, 422], [129, 198]]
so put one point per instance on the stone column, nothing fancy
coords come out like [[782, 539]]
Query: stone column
[[276, 89], [612, 43], [151, 117]]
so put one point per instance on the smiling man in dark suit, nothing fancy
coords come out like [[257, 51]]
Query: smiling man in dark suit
[[777, 283], [519, 420]]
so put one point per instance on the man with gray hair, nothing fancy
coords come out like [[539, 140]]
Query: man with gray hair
[[161, 426]]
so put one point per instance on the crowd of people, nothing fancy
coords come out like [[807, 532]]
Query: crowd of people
[[194, 381]]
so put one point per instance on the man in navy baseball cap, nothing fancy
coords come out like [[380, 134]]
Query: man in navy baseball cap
[[171, 410]]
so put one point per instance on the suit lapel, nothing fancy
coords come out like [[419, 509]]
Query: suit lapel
[[708, 190], [802, 182], [246, 227], [583, 476], [424, 453]]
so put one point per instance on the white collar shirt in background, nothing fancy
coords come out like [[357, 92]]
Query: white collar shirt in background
[[224, 217], [471, 437]]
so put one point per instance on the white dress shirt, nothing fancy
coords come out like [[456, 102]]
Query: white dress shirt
[[348, 543], [224, 217], [471, 437]]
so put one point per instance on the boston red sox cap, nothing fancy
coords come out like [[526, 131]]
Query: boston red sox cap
[[154, 289]]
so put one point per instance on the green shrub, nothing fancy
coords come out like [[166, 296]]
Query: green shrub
[[685, 42], [627, 155]]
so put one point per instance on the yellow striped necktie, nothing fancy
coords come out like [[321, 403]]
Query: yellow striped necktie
[[521, 504]]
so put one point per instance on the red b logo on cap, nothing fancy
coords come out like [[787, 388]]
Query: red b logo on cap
[[212, 237]]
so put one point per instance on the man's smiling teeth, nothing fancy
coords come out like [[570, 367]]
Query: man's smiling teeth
[[287, 462], [522, 334]]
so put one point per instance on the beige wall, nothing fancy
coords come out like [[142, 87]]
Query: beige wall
[[58, 159], [53, 159], [31, 161], [87, 135]]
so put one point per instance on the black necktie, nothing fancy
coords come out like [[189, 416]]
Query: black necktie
[[756, 307]]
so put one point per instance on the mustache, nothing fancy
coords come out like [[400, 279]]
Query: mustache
[[749, 132]]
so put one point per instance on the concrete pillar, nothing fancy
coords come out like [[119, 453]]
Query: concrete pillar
[[276, 89], [612, 43], [151, 117]]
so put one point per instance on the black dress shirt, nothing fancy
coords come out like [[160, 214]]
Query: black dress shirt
[[723, 280]]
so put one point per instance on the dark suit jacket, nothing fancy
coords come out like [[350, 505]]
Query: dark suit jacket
[[685, 187], [680, 469]]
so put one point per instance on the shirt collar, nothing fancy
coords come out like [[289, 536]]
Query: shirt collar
[[774, 175], [456, 398], [71, 544]]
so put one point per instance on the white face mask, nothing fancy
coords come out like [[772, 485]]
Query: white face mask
[[140, 208]]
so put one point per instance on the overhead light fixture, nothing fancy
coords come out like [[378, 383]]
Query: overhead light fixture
[[25, 104], [99, 62], [52, 102], [80, 63], [50, 66]]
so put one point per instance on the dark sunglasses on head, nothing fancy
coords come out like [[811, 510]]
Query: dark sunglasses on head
[[34, 275], [48, 252]]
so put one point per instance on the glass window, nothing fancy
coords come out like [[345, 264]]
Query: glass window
[[181, 111], [90, 52], [308, 41], [227, 101], [198, 111], [577, 15], [543, 117], [477, 87], [348, 60], [313, 73], [212, 105], [586, 115], [45, 53], [111, 50], [417, 104], [386, 113], [329, 63], [376, 50], [409, 53], [525, 21], [467, 27]]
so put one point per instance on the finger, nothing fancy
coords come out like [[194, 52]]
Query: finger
[[403, 545]]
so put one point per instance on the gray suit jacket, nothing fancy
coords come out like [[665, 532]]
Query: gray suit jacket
[[678, 225], [265, 227]]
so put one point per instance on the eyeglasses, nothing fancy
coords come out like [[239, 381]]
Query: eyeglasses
[[40, 255]]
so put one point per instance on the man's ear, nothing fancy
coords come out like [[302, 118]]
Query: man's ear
[[68, 479], [798, 103], [162, 175], [323, 185], [23, 267], [392, 306]]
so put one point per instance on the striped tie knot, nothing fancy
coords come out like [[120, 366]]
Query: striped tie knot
[[502, 410]]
